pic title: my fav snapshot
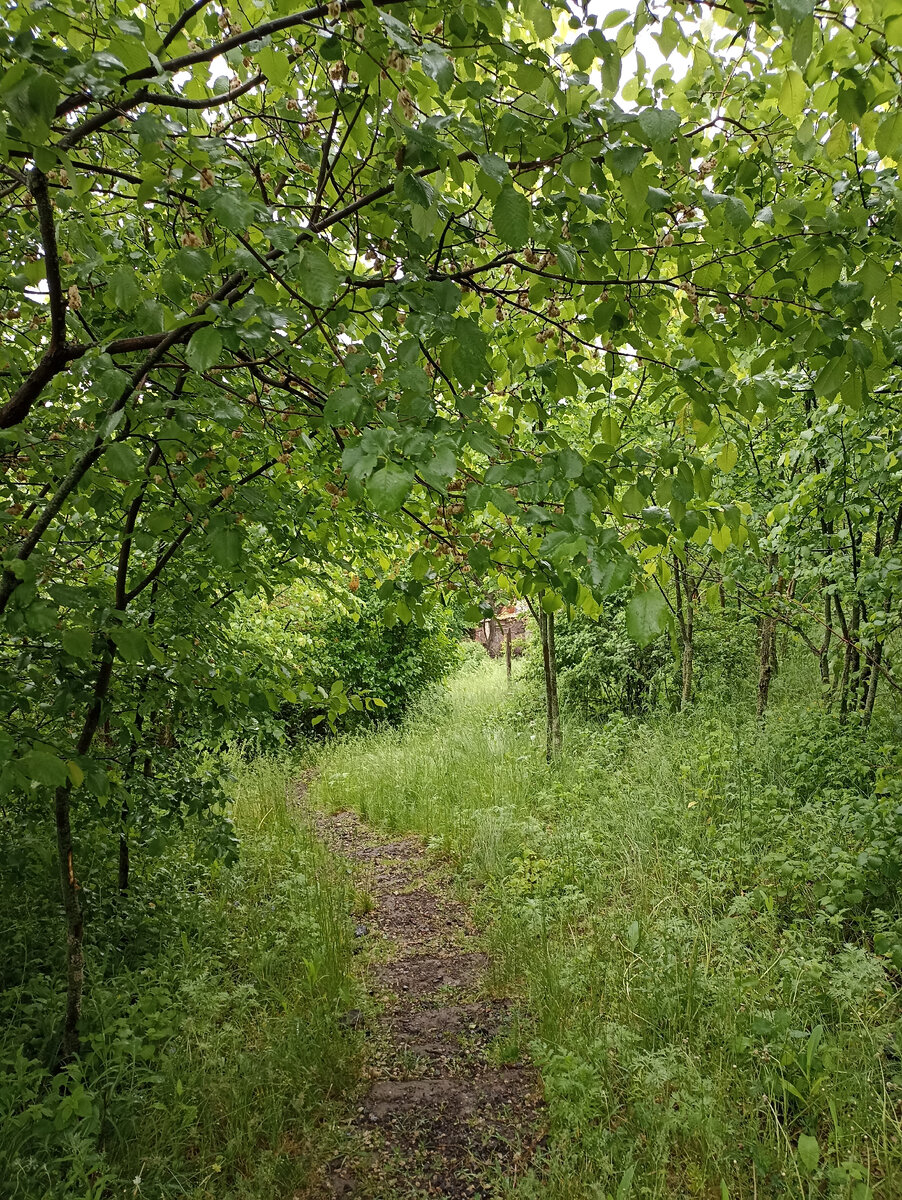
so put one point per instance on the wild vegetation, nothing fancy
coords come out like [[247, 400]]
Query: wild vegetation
[[325, 333]]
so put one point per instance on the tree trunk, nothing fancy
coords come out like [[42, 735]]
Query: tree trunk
[[123, 848], [871, 693], [846, 660], [685, 613], [766, 663], [824, 660], [75, 958], [552, 711], [855, 664], [507, 651], [555, 707]]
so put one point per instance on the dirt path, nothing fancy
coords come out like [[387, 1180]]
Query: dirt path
[[450, 1108]]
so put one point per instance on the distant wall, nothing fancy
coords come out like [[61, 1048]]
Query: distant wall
[[491, 633]]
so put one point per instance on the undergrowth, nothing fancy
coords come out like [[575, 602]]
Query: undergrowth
[[689, 903], [212, 1048]]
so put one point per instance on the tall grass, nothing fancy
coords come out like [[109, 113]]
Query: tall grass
[[703, 1026]]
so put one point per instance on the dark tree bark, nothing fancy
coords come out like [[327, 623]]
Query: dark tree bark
[[846, 668], [824, 659], [685, 614], [75, 959], [507, 651], [552, 710], [765, 663]]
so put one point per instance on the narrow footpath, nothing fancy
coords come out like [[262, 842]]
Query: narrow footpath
[[450, 1108]]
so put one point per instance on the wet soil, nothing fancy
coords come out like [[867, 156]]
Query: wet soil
[[450, 1107]]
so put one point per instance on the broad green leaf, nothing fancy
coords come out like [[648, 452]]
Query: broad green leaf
[[658, 125], [43, 767], [793, 94], [438, 67], [389, 487], [318, 279], [124, 288], [583, 53], [234, 209], [647, 616], [809, 1152], [77, 642], [512, 217], [204, 349], [342, 406], [225, 546], [888, 140], [122, 462]]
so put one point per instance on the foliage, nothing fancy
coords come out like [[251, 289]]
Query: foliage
[[211, 1046], [392, 664], [602, 670]]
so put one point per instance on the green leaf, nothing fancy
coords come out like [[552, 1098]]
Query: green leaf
[[541, 17], [791, 12], [438, 67], [319, 279], [495, 167], [583, 53], [342, 406], [469, 352], [830, 378], [44, 768], [793, 94], [625, 158], [512, 217], [809, 1152], [124, 288], [737, 213], [233, 209], [416, 190], [600, 237], [203, 349], [388, 488], [122, 462], [888, 139], [225, 546], [77, 642], [131, 643], [647, 616], [659, 124], [193, 264]]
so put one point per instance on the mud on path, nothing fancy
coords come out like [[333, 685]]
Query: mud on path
[[449, 1108]]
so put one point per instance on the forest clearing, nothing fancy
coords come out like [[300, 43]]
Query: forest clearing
[[450, 600]]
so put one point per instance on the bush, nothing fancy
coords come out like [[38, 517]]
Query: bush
[[601, 670], [387, 664]]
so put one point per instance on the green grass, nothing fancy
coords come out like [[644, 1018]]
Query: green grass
[[656, 897], [214, 1059]]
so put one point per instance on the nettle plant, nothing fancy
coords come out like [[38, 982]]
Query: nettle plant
[[284, 286]]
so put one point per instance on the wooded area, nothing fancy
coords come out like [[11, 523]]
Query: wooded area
[[325, 335]]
